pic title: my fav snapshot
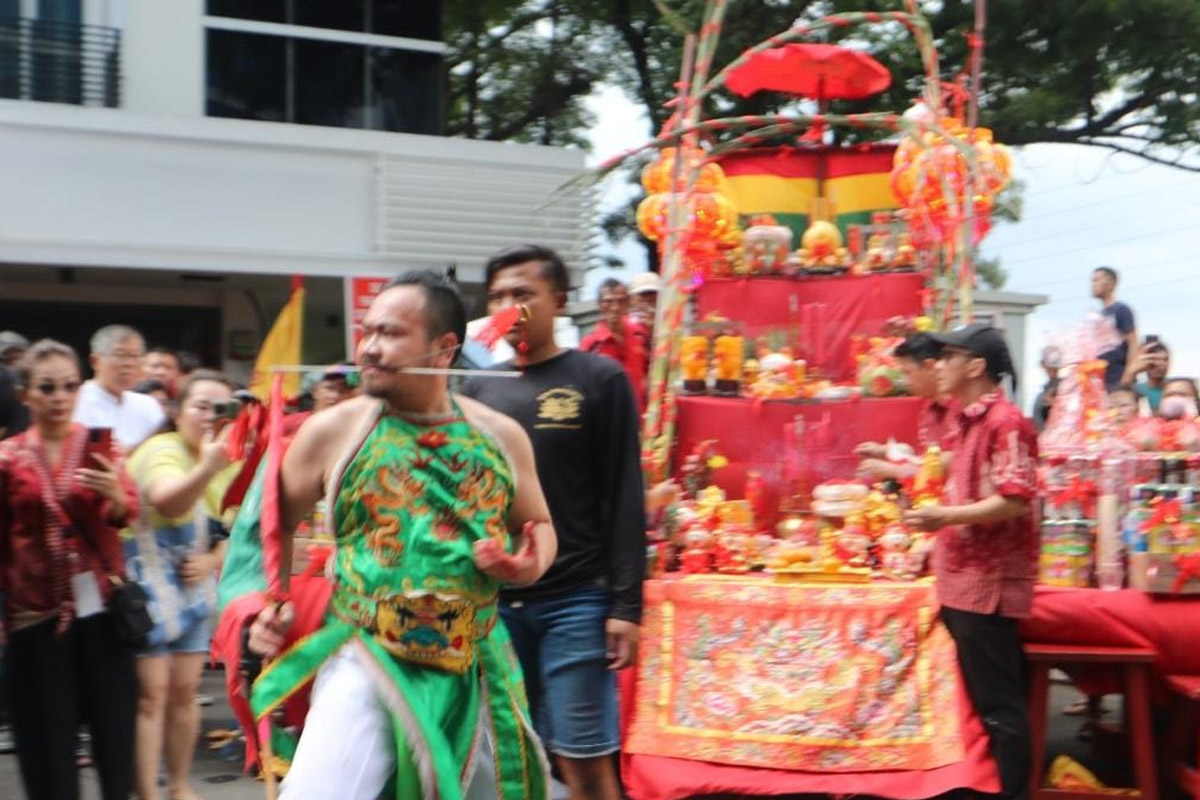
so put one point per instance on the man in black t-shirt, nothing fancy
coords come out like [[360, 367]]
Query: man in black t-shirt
[[579, 624], [1121, 371]]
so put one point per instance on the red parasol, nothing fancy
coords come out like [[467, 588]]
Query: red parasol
[[820, 71]]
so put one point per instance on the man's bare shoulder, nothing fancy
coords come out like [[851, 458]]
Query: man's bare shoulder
[[333, 424], [506, 429]]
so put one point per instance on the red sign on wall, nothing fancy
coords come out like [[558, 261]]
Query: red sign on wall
[[359, 291]]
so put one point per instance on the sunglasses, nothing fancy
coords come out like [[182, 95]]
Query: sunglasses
[[48, 388]]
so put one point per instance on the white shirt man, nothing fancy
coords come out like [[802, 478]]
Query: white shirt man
[[105, 401]]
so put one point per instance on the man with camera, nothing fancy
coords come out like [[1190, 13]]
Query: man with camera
[[1154, 362]]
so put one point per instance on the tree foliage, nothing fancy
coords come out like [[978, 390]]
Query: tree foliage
[[1119, 74], [1122, 74], [519, 70]]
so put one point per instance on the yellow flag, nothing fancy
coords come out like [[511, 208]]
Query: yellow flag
[[282, 347]]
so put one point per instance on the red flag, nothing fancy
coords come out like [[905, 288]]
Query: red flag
[[272, 518]]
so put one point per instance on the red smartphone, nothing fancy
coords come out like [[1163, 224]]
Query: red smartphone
[[99, 440]]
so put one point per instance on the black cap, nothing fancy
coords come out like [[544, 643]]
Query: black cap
[[984, 341]]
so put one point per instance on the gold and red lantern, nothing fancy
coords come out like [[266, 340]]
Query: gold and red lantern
[[659, 175], [932, 172], [708, 216]]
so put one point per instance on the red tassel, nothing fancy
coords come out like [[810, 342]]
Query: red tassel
[[252, 420], [497, 326]]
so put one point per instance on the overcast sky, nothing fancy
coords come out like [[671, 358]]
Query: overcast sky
[[1084, 207]]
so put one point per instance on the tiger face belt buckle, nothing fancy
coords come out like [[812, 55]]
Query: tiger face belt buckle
[[430, 629]]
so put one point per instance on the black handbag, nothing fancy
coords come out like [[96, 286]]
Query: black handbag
[[130, 616]]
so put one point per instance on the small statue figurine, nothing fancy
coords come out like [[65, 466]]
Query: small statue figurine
[[693, 358], [893, 546], [930, 479], [697, 558], [821, 247], [853, 543], [878, 255], [905, 256], [728, 355], [766, 245]]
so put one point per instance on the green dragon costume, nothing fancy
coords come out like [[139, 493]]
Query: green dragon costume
[[406, 507]]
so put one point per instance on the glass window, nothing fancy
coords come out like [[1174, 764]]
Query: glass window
[[60, 11], [416, 20], [329, 83], [260, 10], [247, 76], [405, 91], [56, 53], [10, 49], [342, 15]]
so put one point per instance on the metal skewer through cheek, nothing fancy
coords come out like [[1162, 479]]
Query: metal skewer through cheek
[[524, 317], [485, 373]]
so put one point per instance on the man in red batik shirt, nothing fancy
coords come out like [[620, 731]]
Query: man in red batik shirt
[[937, 424], [985, 558], [620, 337]]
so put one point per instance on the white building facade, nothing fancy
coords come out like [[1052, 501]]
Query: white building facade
[[137, 195]]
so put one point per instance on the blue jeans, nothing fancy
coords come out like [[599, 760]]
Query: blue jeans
[[563, 649]]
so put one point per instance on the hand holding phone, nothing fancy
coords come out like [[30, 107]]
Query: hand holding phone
[[98, 473], [99, 442]]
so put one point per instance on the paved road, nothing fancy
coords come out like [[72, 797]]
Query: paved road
[[215, 776], [218, 776]]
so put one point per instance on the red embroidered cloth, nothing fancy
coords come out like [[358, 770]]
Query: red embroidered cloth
[[837, 688]]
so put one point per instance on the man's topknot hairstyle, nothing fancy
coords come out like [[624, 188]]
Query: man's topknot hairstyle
[[444, 308]]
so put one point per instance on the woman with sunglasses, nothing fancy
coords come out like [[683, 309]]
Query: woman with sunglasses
[[62, 504]]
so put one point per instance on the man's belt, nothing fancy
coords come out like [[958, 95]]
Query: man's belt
[[427, 628]]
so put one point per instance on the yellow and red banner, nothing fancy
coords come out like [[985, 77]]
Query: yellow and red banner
[[282, 347], [831, 678], [783, 182]]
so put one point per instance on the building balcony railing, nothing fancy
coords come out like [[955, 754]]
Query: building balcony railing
[[58, 62]]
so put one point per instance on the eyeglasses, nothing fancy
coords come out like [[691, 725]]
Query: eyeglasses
[[47, 388], [121, 355]]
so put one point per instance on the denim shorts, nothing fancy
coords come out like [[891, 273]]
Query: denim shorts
[[194, 639], [563, 648]]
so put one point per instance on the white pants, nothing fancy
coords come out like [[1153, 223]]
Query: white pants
[[347, 750]]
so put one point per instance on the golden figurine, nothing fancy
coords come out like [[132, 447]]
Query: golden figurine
[[693, 356], [821, 247], [728, 355], [930, 479]]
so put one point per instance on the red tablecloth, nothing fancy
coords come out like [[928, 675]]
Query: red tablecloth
[[853, 305], [714, 653], [1169, 625], [1128, 618], [751, 435]]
